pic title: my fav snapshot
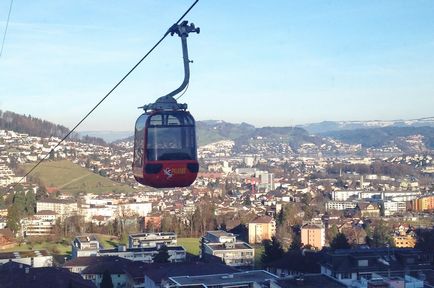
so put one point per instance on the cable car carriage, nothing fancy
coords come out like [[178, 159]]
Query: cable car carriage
[[164, 137]]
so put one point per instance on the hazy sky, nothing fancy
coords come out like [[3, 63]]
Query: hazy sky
[[263, 62]]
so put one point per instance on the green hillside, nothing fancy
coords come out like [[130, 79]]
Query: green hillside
[[71, 178]]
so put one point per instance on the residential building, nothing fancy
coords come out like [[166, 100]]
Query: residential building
[[145, 254], [254, 278], [21, 275], [344, 195], [223, 246], [309, 281], [140, 209], [83, 246], [77, 265], [340, 205], [423, 203], [393, 207], [47, 215], [349, 266], [261, 228], [313, 235], [123, 272], [34, 258], [265, 180], [63, 208], [403, 195], [140, 240], [404, 241], [157, 275], [33, 226], [369, 209]]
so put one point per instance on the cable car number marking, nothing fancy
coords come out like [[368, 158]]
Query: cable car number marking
[[169, 172]]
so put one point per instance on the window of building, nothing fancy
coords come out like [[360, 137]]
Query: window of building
[[362, 263]]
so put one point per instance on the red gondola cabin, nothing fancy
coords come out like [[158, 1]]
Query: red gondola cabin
[[165, 149]]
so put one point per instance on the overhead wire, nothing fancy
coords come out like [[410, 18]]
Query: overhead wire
[[105, 97], [183, 92], [6, 28]]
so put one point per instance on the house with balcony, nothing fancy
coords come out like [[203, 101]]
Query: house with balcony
[[223, 246]]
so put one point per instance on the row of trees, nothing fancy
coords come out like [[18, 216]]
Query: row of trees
[[22, 204], [41, 128]]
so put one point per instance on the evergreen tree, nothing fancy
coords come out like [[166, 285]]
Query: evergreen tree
[[340, 242], [19, 201], [30, 203], [106, 280], [296, 242], [272, 251], [162, 256], [13, 219]]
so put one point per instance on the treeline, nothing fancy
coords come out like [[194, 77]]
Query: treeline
[[40, 128]]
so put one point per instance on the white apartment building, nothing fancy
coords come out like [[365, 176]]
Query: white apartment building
[[33, 226], [340, 205], [344, 195], [63, 208], [143, 240], [392, 207], [141, 209], [83, 246], [224, 245], [176, 253]]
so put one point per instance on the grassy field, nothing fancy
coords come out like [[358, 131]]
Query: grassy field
[[191, 245], [72, 179], [54, 248], [64, 246], [108, 241]]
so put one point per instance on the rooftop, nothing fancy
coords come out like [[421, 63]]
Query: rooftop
[[152, 234], [23, 254], [141, 249], [310, 281], [159, 271], [13, 275], [234, 246], [255, 276], [220, 233], [262, 219]]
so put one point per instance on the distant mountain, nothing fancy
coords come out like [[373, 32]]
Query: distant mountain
[[108, 136], [244, 134], [213, 130], [378, 137], [327, 126], [275, 140]]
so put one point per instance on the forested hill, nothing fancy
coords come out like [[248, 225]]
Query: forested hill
[[40, 128], [378, 137]]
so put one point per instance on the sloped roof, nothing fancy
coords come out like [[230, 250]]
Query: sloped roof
[[262, 219], [13, 276]]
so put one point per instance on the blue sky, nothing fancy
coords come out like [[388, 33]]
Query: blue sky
[[276, 63]]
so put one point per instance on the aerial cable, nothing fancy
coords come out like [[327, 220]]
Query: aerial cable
[[6, 28], [183, 92], [105, 97]]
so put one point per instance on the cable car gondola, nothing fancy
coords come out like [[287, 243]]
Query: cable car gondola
[[165, 153]]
